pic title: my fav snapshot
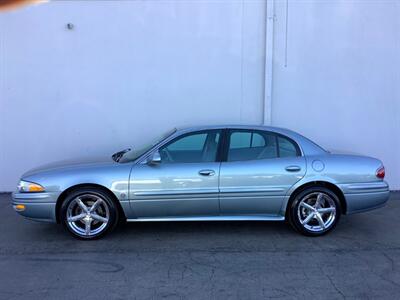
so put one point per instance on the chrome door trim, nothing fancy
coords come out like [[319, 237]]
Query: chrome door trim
[[161, 193], [251, 190]]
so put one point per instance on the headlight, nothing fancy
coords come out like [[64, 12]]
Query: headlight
[[28, 187]]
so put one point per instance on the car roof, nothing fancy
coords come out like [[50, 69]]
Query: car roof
[[234, 126]]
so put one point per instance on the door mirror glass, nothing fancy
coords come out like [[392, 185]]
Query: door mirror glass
[[154, 159]]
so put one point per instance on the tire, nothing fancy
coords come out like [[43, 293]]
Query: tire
[[89, 213], [314, 211]]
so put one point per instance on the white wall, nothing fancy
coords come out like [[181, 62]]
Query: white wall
[[129, 70], [341, 82], [132, 69]]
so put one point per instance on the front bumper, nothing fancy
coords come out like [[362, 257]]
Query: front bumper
[[362, 197], [37, 206]]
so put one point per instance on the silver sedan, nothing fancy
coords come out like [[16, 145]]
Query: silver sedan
[[218, 173]]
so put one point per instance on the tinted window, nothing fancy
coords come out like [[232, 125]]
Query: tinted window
[[286, 147], [192, 142], [193, 148], [257, 140], [249, 145], [240, 140]]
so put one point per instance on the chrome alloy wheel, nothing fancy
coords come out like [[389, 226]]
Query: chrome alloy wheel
[[88, 215], [316, 211]]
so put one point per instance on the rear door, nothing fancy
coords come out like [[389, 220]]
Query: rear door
[[259, 169]]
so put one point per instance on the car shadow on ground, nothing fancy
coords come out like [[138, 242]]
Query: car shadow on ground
[[37, 231]]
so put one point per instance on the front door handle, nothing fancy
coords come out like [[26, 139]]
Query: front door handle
[[206, 172], [293, 168]]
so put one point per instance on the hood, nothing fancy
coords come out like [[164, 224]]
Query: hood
[[71, 163]]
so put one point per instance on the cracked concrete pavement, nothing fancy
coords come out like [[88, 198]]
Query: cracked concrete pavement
[[204, 260]]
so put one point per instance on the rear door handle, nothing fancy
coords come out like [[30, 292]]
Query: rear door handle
[[293, 168], [206, 172]]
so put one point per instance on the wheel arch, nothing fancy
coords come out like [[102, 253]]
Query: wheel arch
[[319, 183], [72, 188]]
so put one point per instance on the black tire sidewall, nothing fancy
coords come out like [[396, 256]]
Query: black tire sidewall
[[294, 221], [113, 220]]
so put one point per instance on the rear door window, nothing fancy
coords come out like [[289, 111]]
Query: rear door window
[[250, 145], [254, 145]]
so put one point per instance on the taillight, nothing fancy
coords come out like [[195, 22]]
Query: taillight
[[380, 173]]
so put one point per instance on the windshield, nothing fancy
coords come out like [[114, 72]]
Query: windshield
[[130, 155]]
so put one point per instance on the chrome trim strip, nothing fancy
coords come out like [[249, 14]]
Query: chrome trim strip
[[158, 199], [246, 189], [367, 186], [31, 196], [364, 187], [160, 193], [41, 197], [248, 196]]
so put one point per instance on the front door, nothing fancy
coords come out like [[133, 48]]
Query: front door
[[259, 170], [184, 183]]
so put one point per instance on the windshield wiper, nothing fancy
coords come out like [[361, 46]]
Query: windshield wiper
[[117, 156]]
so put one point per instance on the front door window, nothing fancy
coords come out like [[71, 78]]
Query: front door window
[[192, 148]]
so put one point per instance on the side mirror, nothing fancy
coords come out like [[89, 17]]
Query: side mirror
[[154, 159]]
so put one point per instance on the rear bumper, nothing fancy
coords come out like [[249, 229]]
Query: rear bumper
[[362, 197], [36, 206]]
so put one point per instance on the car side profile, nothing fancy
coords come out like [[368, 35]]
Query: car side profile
[[211, 173]]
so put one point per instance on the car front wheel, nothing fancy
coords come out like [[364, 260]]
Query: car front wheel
[[315, 211], [88, 213]]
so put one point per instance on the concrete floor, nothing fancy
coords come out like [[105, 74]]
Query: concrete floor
[[205, 260]]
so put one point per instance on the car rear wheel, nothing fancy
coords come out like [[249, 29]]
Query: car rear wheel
[[88, 213], [315, 211]]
